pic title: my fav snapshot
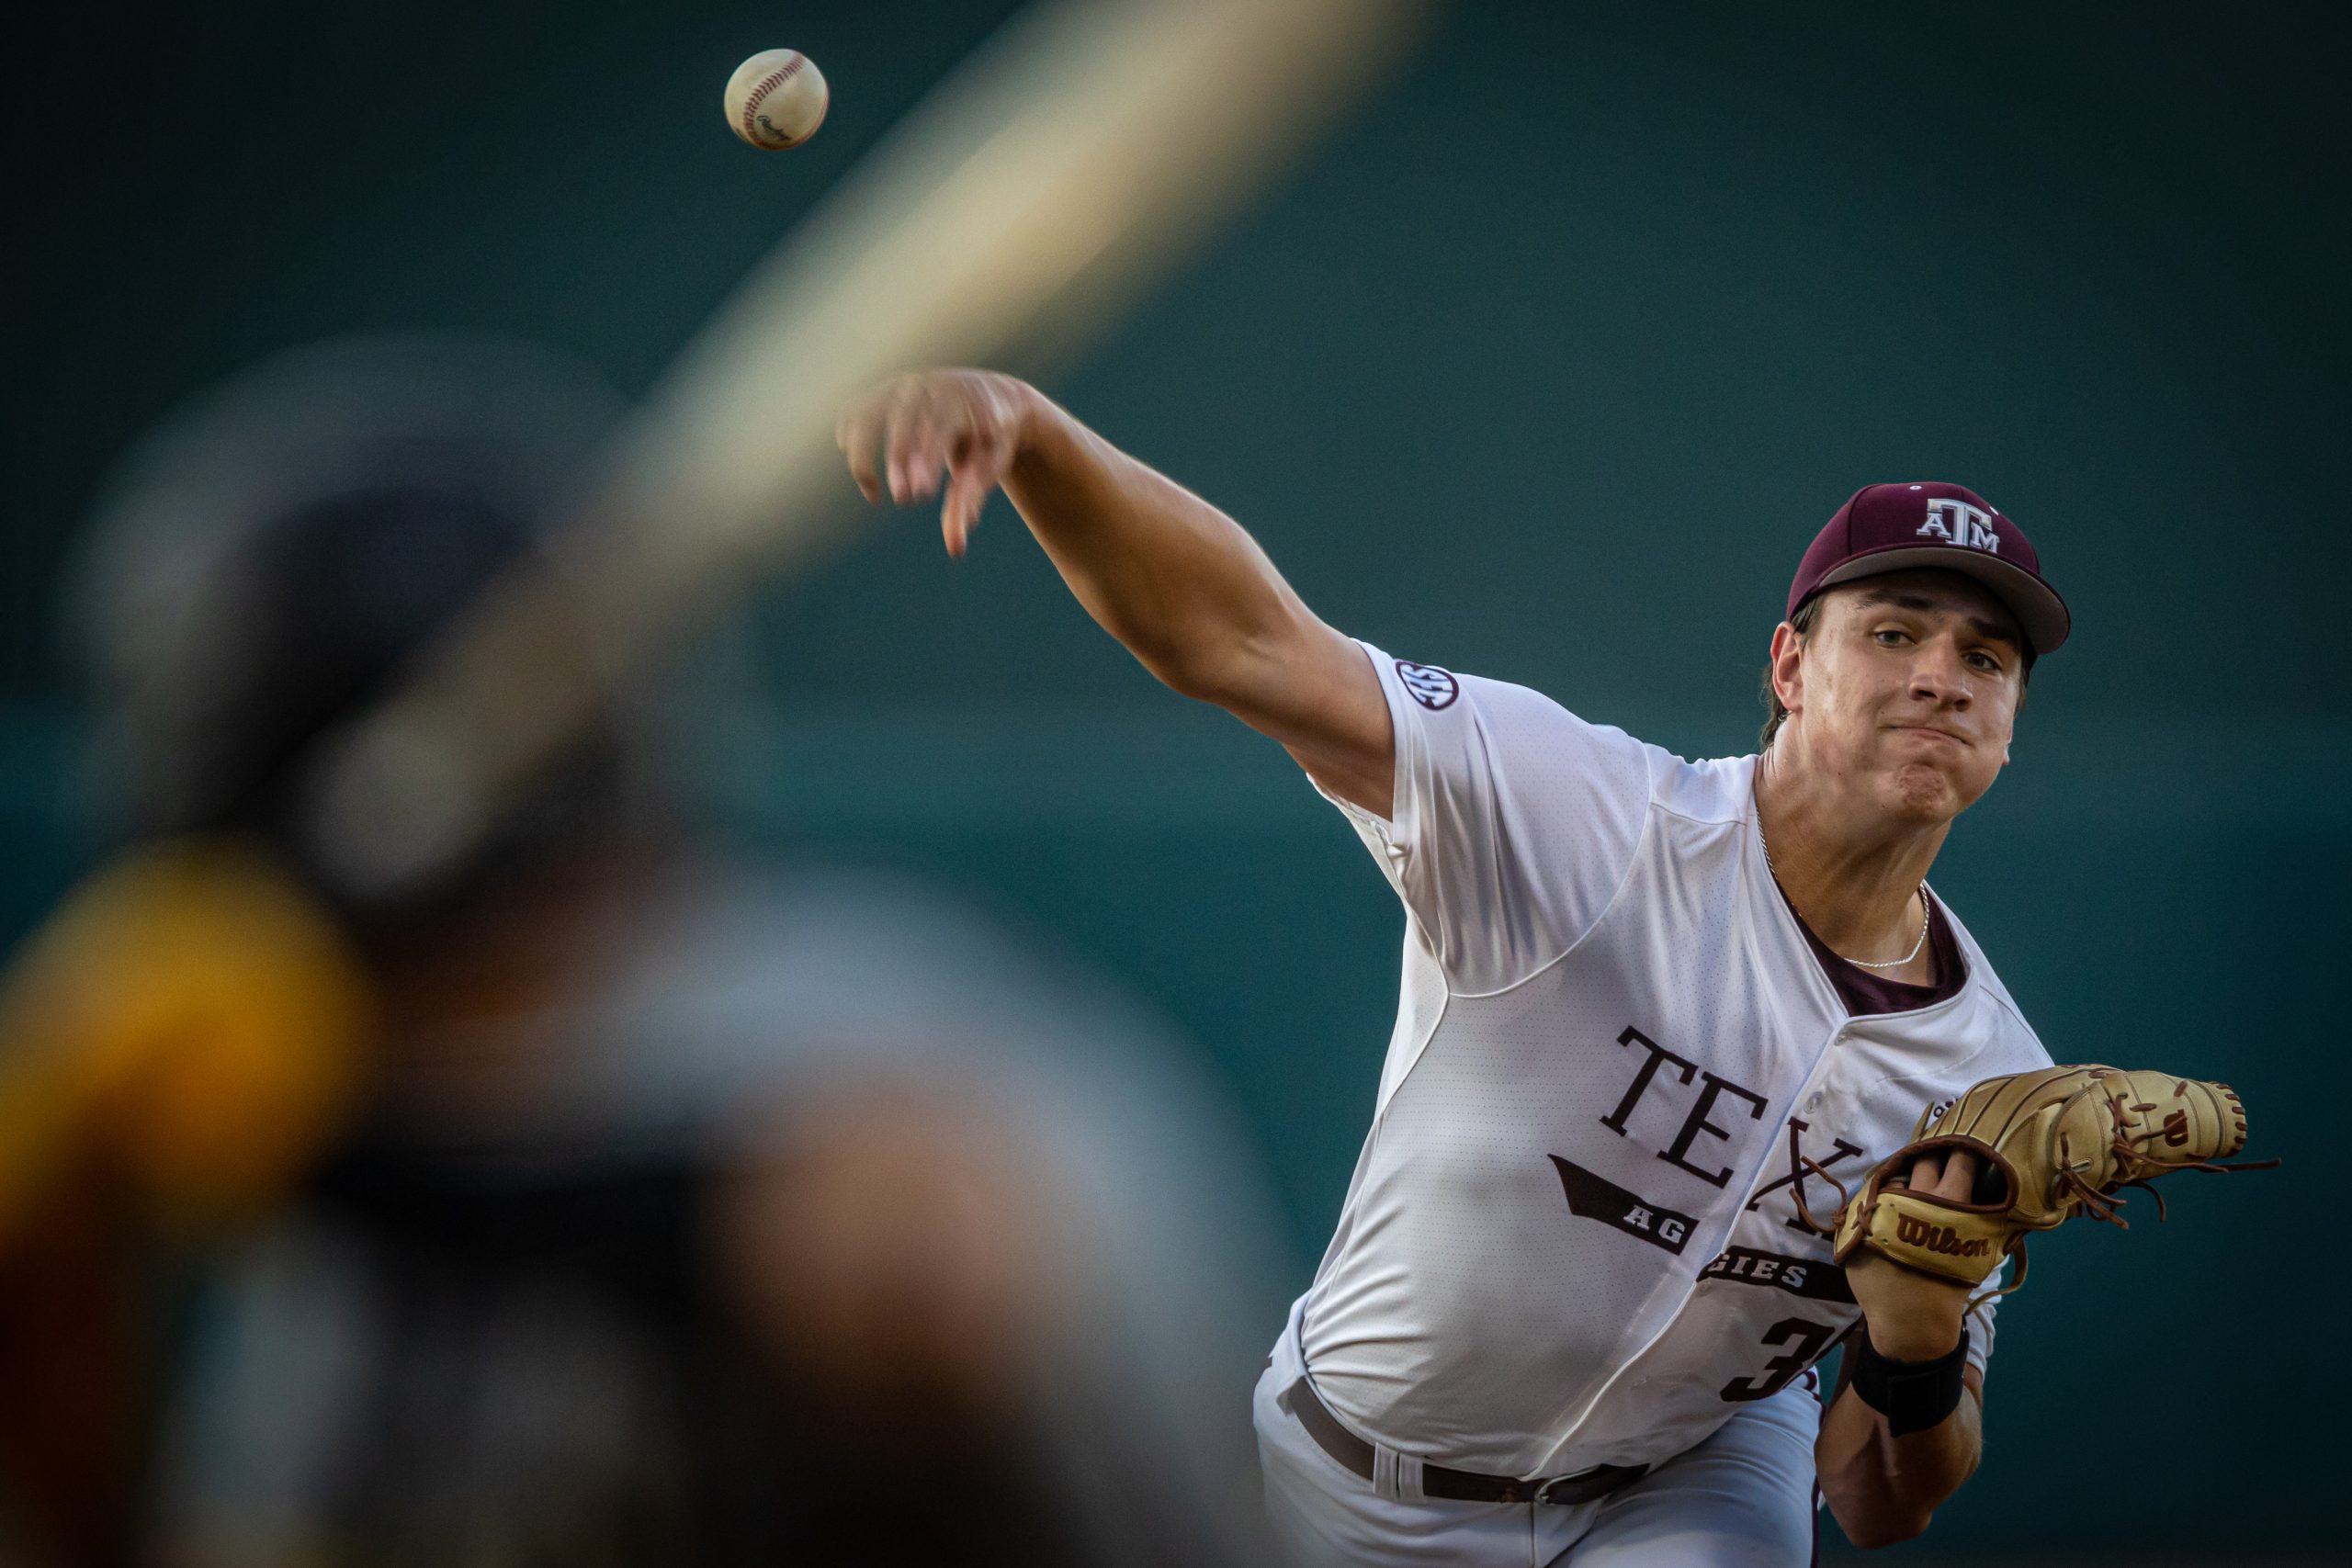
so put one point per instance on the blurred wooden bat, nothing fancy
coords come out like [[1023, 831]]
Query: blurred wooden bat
[[1029, 196]]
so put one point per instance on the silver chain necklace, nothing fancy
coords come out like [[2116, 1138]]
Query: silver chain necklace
[[1925, 917]]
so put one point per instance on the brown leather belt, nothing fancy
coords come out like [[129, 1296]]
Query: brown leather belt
[[1457, 1485]]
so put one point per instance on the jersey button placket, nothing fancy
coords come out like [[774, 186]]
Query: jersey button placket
[[1817, 1090]]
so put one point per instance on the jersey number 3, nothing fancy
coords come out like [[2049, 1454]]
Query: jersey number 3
[[1812, 1339]]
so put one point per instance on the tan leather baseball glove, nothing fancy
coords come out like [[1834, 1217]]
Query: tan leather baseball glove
[[2050, 1145]]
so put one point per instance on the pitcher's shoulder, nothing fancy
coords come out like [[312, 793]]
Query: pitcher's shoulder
[[1713, 790]]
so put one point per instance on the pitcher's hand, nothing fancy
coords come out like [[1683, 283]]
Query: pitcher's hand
[[965, 425], [1915, 1317]]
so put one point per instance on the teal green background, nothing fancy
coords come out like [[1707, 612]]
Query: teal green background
[[1545, 365]]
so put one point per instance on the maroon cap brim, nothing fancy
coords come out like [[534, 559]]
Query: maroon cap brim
[[2040, 613]]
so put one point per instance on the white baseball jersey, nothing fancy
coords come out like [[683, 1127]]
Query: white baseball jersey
[[1572, 1237]]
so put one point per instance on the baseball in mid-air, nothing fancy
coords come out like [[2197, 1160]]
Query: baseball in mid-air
[[776, 100]]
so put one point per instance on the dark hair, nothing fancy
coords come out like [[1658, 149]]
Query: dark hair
[[1802, 624]]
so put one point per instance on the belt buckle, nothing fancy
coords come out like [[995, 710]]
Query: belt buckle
[[1543, 1493]]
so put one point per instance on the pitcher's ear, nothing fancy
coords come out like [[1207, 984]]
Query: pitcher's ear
[[1788, 653]]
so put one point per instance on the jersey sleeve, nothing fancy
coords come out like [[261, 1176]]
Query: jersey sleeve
[[1514, 821], [1980, 1320]]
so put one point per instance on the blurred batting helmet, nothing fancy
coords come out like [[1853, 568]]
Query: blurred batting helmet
[[277, 555]]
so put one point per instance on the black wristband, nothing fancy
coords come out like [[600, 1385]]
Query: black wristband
[[1912, 1395]]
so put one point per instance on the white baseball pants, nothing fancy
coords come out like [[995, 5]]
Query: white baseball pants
[[1744, 1498]]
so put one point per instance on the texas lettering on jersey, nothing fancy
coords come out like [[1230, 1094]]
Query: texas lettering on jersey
[[1593, 1197], [1690, 1113]]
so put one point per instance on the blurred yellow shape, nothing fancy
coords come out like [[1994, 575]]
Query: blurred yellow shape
[[189, 1025]]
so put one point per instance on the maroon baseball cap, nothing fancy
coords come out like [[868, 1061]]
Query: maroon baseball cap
[[1894, 527]]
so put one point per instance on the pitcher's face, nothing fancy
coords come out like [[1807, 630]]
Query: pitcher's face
[[1907, 689]]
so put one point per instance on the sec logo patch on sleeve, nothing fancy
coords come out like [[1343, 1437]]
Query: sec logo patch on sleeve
[[1430, 686]]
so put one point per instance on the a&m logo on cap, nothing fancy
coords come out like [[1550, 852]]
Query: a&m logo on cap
[[1957, 522]]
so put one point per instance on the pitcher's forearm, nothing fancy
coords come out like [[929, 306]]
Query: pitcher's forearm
[[1180, 584], [1884, 1489], [1173, 577]]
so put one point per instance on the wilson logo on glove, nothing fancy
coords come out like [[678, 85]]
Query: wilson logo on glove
[[1913, 1231]]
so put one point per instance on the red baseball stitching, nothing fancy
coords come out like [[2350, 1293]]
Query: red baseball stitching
[[759, 94]]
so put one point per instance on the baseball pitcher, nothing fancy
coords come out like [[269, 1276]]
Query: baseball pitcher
[[1680, 1092]]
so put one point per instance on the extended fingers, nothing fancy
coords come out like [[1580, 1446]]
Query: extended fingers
[[857, 432], [913, 441], [934, 425], [929, 427], [973, 473], [889, 436]]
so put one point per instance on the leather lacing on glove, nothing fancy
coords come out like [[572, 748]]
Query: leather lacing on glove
[[2103, 1205]]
